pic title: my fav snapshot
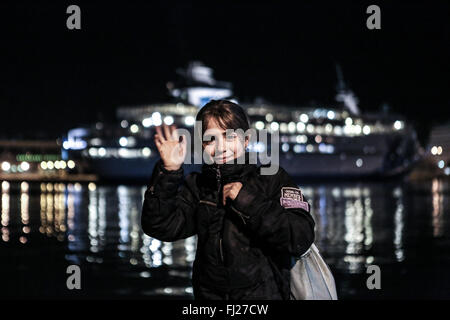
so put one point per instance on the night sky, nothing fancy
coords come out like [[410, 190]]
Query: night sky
[[53, 79]]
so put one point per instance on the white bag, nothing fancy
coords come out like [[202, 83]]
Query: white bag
[[311, 278]]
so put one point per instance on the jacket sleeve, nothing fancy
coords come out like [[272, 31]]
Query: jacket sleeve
[[287, 229], [169, 208]]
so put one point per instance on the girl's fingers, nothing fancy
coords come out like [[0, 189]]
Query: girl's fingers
[[158, 142], [167, 134], [183, 144], [159, 134], [225, 192], [157, 138], [174, 131]]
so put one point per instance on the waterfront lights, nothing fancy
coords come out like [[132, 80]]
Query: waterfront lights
[[298, 148], [398, 125], [74, 144], [6, 166], [168, 120], [359, 163], [96, 141], [99, 126], [102, 152], [338, 130], [269, 117], [147, 122], [441, 164], [348, 121], [318, 139], [24, 186], [134, 128], [56, 164], [123, 141], [146, 152], [366, 130], [348, 129], [124, 124], [326, 148], [291, 127], [285, 147], [156, 118], [258, 147], [93, 152], [330, 115], [189, 120], [300, 126], [323, 148], [44, 165], [5, 186], [304, 117], [71, 164], [25, 166], [436, 150], [50, 165], [259, 125], [301, 138], [274, 126]]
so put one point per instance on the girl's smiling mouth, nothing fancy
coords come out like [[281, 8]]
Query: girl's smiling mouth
[[223, 158]]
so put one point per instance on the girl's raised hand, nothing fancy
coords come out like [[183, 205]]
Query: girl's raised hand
[[171, 149]]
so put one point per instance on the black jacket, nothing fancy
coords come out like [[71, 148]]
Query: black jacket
[[243, 248]]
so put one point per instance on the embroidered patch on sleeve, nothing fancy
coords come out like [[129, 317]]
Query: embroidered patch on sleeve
[[293, 198]]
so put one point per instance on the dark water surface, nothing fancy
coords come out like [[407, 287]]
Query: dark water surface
[[45, 227]]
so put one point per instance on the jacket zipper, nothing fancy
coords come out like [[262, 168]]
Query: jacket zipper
[[219, 183], [221, 250], [240, 214]]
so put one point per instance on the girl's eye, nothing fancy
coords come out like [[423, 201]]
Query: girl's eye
[[231, 137], [209, 140]]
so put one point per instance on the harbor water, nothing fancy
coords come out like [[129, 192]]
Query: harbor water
[[402, 227]]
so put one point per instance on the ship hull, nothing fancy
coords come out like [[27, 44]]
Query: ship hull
[[306, 166]]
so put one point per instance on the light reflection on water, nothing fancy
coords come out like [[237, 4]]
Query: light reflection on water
[[98, 228]]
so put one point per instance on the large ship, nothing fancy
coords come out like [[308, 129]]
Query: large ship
[[315, 141]]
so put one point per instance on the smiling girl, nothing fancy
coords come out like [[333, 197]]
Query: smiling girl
[[247, 224]]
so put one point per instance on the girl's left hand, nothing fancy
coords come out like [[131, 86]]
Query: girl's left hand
[[231, 190]]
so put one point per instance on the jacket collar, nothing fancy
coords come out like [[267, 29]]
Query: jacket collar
[[228, 172]]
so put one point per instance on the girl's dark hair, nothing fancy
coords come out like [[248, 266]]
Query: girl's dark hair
[[228, 115]]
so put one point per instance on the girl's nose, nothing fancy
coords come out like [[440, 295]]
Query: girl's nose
[[221, 145]]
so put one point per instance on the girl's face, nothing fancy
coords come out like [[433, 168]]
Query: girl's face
[[223, 148]]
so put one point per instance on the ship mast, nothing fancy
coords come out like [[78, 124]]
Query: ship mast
[[345, 95]]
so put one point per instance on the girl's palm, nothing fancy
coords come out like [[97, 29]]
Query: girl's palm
[[171, 150]]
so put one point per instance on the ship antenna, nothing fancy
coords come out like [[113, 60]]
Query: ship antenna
[[344, 94]]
